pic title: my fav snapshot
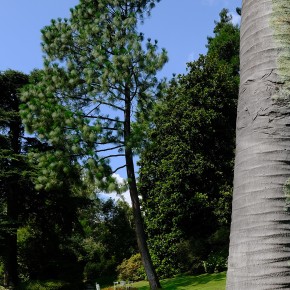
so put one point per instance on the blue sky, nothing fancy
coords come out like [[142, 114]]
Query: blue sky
[[181, 29]]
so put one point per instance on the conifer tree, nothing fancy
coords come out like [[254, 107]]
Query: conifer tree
[[11, 169], [98, 77]]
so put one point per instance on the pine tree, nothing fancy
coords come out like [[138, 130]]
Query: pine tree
[[98, 77], [11, 169]]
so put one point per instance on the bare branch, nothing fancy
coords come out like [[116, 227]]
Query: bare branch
[[109, 149], [103, 118], [111, 156], [123, 166], [102, 102], [111, 142]]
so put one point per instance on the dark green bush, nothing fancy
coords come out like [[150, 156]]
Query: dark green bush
[[216, 262], [95, 270], [45, 285], [190, 256]]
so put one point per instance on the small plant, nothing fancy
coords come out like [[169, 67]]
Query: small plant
[[131, 269]]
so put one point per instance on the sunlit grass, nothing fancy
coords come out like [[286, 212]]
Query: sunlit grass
[[202, 282]]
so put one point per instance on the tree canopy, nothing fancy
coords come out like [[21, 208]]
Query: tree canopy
[[187, 166], [13, 184]]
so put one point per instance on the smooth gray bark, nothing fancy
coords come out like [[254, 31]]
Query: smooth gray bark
[[259, 255]]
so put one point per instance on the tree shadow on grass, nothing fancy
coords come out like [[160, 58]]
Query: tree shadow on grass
[[187, 282]]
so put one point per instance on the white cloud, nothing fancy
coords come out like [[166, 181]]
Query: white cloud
[[125, 196], [119, 178]]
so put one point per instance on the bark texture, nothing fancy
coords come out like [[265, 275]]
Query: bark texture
[[259, 255]]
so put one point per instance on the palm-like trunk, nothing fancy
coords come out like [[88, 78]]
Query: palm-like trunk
[[139, 225], [260, 232]]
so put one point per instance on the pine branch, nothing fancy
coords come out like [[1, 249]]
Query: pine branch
[[110, 105], [111, 156], [123, 166], [103, 118], [109, 149]]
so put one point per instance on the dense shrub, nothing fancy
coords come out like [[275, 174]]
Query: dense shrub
[[102, 268], [190, 256], [45, 285], [216, 262], [131, 269], [197, 257]]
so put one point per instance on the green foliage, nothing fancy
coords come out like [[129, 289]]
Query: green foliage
[[86, 248], [216, 262], [186, 172], [226, 41], [187, 164], [34, 224], [1, 272], [189, 258], [106, 238], [45, 285], [131, 269], [98, 75], [12, 165], [44, 240], [92, 60], [121, 288], [13, 169]]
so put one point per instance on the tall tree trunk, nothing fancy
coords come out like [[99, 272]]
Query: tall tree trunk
[[259, 255], [139, 225]]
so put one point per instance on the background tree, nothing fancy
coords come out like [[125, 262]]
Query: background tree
[[12, 169], [187, 164], [94, 61], [107, 239], [225, 44], [259, 247], [33, 224]]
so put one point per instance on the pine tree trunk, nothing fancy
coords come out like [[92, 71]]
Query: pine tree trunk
[[139, 225], [259, 255]]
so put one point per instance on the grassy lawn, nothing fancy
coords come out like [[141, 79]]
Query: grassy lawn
[[202, 282], [181, 282]]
